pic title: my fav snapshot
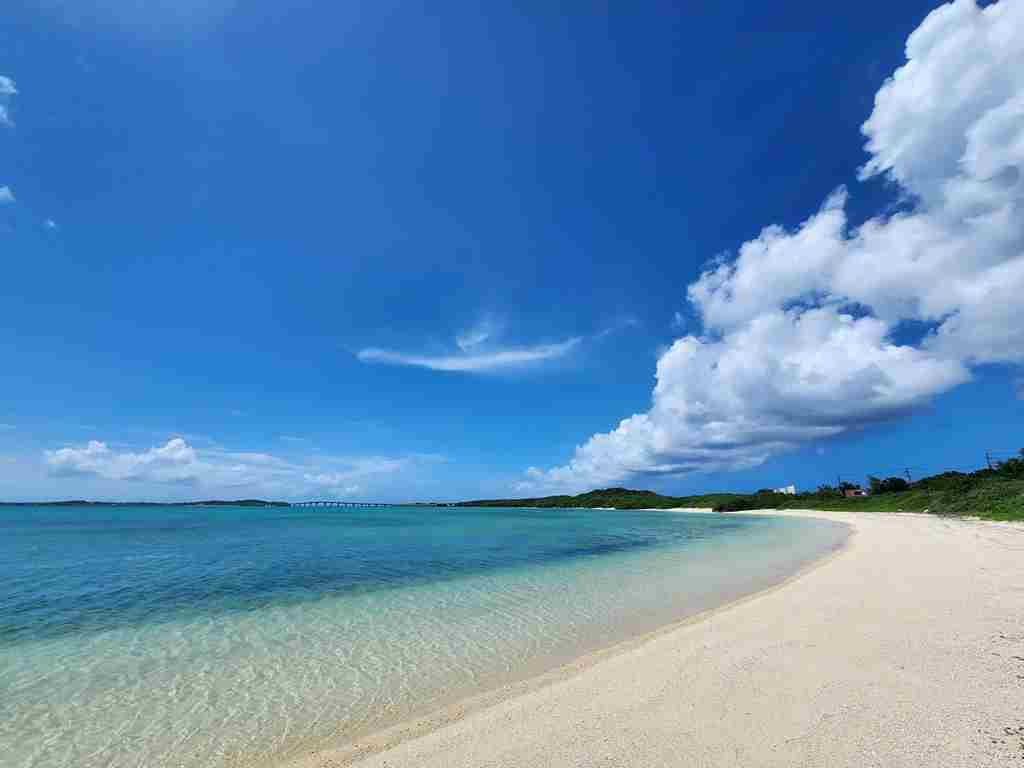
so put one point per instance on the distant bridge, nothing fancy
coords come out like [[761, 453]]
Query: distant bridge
[[335, 503]]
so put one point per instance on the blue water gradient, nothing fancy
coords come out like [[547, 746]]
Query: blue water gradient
[[253, 633], [67, 569]]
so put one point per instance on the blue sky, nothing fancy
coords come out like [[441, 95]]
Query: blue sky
[[389, 251]]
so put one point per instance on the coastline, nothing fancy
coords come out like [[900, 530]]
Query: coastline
[[776, 637], [539, 676]]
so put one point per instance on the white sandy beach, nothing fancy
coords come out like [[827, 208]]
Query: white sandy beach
[[904, 649]]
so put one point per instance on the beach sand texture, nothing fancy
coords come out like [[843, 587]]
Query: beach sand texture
[[905, 649]]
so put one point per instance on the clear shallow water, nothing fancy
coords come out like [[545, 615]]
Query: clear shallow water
[[135, 636]]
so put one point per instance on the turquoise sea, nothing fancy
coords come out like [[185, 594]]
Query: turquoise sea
[[199, 636]]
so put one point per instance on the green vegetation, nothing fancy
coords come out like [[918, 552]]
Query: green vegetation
[[620, 498], [992, 494]]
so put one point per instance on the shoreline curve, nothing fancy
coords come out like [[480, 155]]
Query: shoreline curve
[[394, 735]]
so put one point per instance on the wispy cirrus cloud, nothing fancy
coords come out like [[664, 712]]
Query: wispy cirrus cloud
[[621, 323], [509, 358], [6, 195], [472, 338], [479, 350], [346, 480]]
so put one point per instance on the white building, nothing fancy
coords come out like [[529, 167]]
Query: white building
[[789, 490]]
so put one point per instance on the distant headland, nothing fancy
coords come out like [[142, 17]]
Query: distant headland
[[994, 492]]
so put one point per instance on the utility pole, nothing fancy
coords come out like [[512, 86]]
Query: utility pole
[[907, 473], [988, 459]]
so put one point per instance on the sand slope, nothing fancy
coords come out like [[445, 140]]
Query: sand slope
[[907, 649]]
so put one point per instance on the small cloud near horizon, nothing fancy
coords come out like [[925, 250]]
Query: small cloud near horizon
[[218, 471]]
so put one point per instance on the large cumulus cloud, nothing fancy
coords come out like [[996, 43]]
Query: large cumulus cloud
[[800, 326]]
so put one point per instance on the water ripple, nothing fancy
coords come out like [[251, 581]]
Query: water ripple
[[150, 636]]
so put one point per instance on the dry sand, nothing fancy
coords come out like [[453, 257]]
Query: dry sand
[[904, 649]]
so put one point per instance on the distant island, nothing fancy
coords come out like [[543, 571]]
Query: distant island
[[209, 503], [619, 498], [994, 493]]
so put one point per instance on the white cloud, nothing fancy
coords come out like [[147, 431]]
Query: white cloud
[[619, 324], [352, 468], [342, 480], [50, 224], [227, 472], [471, 338], [174, 462], [477, 362], [480, 352], [335, 485], [800, 327], [7, 91]]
